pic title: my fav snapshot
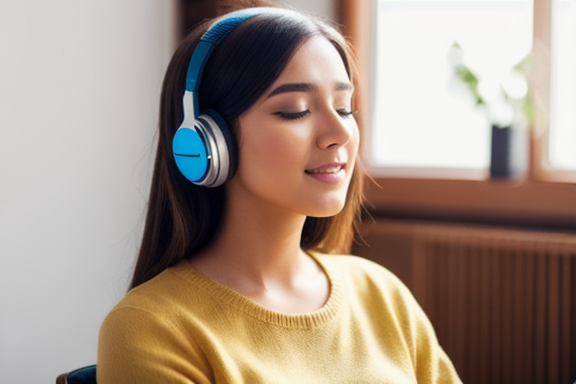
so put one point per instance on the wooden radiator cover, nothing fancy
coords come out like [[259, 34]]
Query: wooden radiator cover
[[503, 301]]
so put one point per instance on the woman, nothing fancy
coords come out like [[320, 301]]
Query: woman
[[233, 282]]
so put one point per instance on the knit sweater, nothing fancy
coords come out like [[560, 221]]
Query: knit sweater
[[182, 327]]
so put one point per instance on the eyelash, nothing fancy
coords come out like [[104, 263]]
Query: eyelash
[[345, 113], [293, 115], [298, 115]]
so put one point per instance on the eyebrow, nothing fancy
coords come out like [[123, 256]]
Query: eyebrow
[[306, 87]]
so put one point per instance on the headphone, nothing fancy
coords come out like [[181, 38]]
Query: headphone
[[203, 146]]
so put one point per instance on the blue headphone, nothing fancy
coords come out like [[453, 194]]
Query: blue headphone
[[203, 146]]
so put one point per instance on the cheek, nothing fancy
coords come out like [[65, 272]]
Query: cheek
[[273, 148], [270, 147]]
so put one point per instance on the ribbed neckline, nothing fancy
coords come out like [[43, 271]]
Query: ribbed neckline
[[288, 320]]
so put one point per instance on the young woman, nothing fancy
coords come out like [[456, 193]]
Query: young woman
[[240, 277]]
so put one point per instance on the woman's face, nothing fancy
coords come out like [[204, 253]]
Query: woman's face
[[298, 142]]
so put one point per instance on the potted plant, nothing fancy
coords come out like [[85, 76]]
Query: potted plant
[[508, 107]]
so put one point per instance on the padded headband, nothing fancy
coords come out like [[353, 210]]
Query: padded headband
[[211, 38]]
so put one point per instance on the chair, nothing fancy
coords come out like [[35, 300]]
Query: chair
[[85, 375]]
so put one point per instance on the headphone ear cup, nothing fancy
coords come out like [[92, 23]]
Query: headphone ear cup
[[222, 146], [191, 154]]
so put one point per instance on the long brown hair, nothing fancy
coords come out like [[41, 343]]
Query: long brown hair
[[182, 218]]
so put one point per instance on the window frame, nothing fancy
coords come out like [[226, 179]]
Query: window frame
[[542, 198]]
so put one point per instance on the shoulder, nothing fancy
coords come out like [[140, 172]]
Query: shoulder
[[157, 292], [153, 311], [157, 303], [362, 270], [143, 335], [373, 286]]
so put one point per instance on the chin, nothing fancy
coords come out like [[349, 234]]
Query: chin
[[328, 211]]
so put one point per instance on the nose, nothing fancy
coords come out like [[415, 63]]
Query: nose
[[336, 130]]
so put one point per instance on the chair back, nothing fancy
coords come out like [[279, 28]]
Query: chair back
[[84, 375]]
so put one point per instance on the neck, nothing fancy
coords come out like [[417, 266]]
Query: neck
[[257, 252], [254, 242]]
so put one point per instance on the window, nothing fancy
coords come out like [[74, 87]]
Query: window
[[426, 117], [433, 188]]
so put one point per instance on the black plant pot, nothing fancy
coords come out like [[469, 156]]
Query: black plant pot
[[509, 152]]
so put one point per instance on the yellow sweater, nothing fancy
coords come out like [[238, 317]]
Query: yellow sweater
[[182, 327]]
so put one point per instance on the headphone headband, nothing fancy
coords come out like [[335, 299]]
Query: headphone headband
[[210, 39], [203, 147]]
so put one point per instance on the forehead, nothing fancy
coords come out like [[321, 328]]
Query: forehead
[[316, 61]]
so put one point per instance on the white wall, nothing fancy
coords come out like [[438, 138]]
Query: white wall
[[79, 89]]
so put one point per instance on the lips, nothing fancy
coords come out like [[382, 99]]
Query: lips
[[331, 173], [326, 169]]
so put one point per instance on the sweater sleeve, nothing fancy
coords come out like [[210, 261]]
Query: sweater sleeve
[[431, 363], [137, 347]]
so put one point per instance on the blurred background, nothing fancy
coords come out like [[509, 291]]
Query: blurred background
[[485, 239]]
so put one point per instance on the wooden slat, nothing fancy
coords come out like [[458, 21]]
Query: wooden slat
[[566, 323], [485, 345], [553, 321]]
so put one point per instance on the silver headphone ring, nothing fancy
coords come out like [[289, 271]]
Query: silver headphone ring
[[219, 166]]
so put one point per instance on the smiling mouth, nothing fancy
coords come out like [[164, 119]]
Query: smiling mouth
[[327, 169]]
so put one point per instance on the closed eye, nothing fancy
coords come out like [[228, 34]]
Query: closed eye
[[292, 115], [345, 112]]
